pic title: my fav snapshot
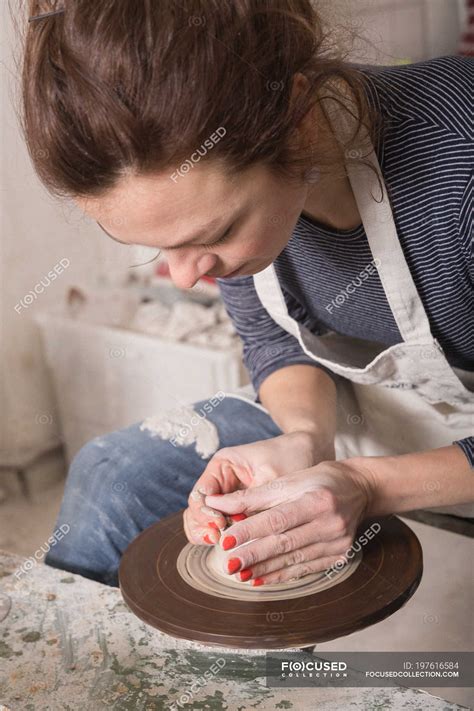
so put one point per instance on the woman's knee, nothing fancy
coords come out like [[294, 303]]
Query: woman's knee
[[128, 475], [102, 508], [94, 471]]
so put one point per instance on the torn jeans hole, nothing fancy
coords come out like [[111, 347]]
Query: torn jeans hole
[[184, 426]]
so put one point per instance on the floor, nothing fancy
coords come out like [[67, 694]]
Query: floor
[[436, 618]]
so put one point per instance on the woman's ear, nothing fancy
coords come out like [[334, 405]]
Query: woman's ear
[[300, 83], [305, 133]]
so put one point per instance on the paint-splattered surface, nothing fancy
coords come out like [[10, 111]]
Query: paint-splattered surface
[[71, 643]]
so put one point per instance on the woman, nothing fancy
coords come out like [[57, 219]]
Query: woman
[[333, 204]]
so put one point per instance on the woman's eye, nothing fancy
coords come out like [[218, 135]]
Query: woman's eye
[[222, 239]]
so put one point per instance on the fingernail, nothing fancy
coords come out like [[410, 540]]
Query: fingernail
[[213, 524], [207, 539], [257, 581], [228, 542], [196, 495], [238, 517], [210, 512], [233, 564], [245, 574]]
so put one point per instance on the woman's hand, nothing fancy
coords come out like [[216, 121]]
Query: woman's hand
[[304, 522], [243, 467]]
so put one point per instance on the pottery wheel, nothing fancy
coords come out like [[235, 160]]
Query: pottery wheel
[[181, 589]]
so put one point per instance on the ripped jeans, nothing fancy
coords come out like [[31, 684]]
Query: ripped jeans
[[122, 482]]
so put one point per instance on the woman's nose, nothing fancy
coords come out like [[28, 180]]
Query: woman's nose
[[185, 270]]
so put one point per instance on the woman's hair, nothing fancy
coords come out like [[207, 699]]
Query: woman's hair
[[117, 87]]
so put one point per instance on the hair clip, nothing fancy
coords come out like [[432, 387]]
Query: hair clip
[[46, 14]]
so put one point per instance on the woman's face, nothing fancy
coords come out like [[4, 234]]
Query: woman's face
[[204, 222]]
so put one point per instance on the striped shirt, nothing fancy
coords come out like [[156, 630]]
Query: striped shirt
[[426, 153]]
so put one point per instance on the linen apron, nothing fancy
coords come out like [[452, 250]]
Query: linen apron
[[396, 400]]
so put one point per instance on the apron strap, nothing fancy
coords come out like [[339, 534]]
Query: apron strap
[[379, 224], [271, 296], [331, 349]]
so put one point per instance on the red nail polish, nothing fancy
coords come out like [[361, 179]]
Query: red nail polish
[[233, 564], [228, 542], [238, 517], [213, 524], [245, 574], [207, 539], [257, 581]]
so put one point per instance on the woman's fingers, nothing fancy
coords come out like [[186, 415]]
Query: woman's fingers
[[204, 524], [295, 572], [188, 530], [298, 557], [274, 523], [278, 491], [197, 534], [204, 516], [215, 479], [285, 545]]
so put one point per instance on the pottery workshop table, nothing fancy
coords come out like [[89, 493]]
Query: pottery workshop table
[[67, 642]]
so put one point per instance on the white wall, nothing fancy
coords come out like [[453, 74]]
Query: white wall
[[36, 232], [397, 30]]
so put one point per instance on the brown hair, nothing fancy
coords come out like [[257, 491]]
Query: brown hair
[[117, 86]]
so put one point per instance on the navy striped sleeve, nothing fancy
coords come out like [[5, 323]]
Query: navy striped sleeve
[[466, 225], [467, 446], [466, 232], [266, 346], [437, 92]]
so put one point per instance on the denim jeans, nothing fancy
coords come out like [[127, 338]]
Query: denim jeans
[[122, 482]]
